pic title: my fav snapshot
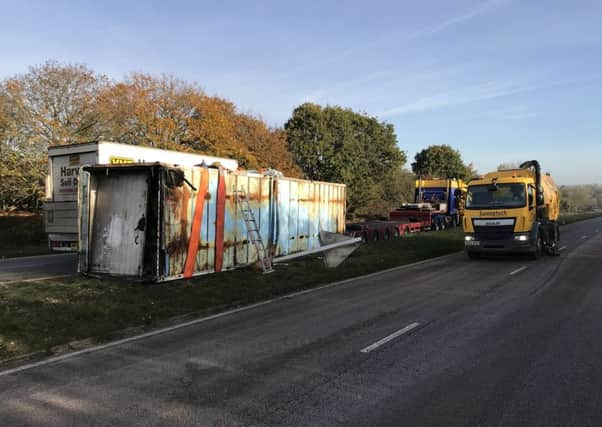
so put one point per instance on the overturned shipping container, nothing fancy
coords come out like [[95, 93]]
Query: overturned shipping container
[[154, 222]]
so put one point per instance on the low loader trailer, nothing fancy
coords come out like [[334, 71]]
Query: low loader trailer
[[438, 204]]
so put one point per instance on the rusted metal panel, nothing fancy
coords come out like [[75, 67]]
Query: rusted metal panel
[[290, 214], [177, 225], [119, 223]]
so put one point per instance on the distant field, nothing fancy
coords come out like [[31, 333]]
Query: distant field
[[22, 235]]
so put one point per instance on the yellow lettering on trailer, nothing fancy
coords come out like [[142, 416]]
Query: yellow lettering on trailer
[[114, 160]]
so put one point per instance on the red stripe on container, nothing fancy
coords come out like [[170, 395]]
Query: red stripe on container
[[195, 233]]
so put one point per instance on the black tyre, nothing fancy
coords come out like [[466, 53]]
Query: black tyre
[[396, 232], [375, 236], [387, 235], [473, 255]]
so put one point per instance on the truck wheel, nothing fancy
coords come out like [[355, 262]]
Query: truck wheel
[[375, 236], [387, 235], [396, 232], [474, 255]]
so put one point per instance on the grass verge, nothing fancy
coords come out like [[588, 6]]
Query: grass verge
[[37, 316], [571, 218], [22, 236]]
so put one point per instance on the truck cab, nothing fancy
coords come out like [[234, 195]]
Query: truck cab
[[511, 211]]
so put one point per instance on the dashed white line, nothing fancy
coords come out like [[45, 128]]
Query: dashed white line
[[562, 248], [388, 338], [584, 237], [518, 270]]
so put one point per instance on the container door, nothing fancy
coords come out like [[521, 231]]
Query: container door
[[117, 243], [83, 203]]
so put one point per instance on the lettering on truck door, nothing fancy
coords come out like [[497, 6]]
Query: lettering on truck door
[[65, 175]]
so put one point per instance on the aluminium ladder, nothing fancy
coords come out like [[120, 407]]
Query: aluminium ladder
[[253, 230]]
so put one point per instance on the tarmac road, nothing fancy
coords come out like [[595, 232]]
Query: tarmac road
[[448, 342], [37, 267]]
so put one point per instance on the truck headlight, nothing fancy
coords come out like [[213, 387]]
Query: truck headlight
[[468, 238], [521, 237]]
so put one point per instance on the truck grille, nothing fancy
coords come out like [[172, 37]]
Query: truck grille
[[496, 232]]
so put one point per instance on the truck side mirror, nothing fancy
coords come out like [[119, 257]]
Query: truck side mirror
[[531, 201]]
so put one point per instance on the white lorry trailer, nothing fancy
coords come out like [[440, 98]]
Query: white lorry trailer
[[64, 162]]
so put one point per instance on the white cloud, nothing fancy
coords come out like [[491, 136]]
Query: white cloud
[[461, 96], [476, 93], [477, 10], [511, 113]]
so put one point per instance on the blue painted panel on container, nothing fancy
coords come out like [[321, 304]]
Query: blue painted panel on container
[[293, 216], [211, 216], [303, 218], [314, 215], [282, 208]]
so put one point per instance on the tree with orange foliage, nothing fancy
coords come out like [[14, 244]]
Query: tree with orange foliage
[[63, 104], [169, 113]]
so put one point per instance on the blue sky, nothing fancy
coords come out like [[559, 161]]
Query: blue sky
[[501, 80]]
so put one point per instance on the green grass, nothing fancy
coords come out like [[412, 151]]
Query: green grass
[[37, 316], [22, 236], [571, 218]]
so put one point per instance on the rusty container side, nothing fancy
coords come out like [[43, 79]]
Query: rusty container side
[[293, 217], [238, 250], [207, 264], [177, 223], [304, 208], [282, 209], [254, 196], [265, 214], [235, 234], [230, 222], [205, 258], [179, 204], [304, 203], [313, 215], [240, 237]]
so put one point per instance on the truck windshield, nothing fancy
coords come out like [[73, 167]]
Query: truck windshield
[[431, 194], [496, 196]]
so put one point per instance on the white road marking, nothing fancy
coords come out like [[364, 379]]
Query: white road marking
[[390, 337], [562, 248], [518, 270], [584, 237]]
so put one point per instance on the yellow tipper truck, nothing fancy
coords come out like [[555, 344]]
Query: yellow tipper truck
[[512, 211]]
